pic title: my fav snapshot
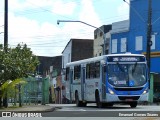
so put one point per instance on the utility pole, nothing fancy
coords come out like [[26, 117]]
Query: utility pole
[[5, 102], [149, 30], [6, 24]]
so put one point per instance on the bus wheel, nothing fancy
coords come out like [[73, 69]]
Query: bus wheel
[[78, 103], [98, 103], [109, 104], [133, 104], [84, 104]]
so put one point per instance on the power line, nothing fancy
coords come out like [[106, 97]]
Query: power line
[[1, 25], [48, 10]]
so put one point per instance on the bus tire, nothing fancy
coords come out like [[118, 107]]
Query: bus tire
[[133, 104], [84, 104], [98, 102], [109, 104], [78, 103]]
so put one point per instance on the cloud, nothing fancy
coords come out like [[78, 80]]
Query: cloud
[[39, 37], [64, 8], [88, 14], [123, 9], [18, 5], [47, 38]]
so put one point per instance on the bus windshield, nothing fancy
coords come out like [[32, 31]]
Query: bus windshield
[[127, 75]]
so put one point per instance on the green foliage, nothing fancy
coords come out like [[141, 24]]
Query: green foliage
[[11, 87], [16, 63]]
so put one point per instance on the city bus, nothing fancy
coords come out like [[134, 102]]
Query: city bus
[[107, 80]]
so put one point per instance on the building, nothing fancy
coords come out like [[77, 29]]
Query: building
[[119, 36], [99, 40], [134, 38], [136, 35], [77, 49], [51, 67]]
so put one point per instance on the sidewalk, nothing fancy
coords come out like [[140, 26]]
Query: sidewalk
[[30, 108]]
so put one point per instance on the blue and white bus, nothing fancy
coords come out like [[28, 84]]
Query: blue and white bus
[[108, 79]]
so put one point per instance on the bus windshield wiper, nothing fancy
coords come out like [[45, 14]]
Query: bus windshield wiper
[[120, 67], [134, 68]]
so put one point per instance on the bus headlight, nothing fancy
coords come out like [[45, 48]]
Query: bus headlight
[[110, 91], [145, 91]]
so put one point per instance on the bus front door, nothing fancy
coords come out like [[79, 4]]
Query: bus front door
[[103, 82], [71, 84], [83, 84]]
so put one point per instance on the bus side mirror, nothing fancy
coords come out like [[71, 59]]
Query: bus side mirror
[[105, 68]]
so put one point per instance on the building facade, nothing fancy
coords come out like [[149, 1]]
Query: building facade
[[99, 40], [50, 67], [77, 49], [136, 36]]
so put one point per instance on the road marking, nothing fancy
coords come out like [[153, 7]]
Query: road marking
[[82, 110]]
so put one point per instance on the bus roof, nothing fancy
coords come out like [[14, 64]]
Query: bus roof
[[94, 59]]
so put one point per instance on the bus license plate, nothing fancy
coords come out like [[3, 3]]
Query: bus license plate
[[129, 99]]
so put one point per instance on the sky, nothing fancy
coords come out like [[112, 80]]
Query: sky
[[34, 22]]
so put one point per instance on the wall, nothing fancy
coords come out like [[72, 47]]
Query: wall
[[66, 54], [81, 49], [138, 27], [137, 33]]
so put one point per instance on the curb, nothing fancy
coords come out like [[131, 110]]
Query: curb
[[30, 109]]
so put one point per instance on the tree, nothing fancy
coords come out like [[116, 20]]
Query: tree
[[16, 63]]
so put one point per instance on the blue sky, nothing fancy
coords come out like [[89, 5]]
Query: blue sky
[[34, 22]]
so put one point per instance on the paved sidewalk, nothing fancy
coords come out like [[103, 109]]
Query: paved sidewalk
[[30, 108]]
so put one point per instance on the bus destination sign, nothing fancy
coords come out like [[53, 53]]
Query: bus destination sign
[[126, 59]]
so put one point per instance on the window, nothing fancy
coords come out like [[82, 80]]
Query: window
[[69, 55], [95, 36], [88, 71], [153, 42], [97, 69], [101, 33], [77, 72], [114, 46], [67, 74], [123, 44], [93, 70], [139, 43]]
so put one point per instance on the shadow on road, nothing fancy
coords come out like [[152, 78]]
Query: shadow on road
[[118, 106]]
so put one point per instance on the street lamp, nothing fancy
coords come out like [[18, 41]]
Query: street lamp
[[104, 37]]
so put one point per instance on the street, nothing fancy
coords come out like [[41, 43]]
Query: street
[[91, 112], [124, 112]]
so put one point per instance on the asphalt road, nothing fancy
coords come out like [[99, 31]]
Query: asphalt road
[[91, 112], [118, 111]]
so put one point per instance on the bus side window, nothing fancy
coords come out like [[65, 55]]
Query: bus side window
[[97, 69], [92, 70], [77, 71], [88, 71]]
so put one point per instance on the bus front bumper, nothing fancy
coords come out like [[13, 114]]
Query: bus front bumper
[[126, 98]]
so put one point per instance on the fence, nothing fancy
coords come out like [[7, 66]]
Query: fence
[[36, 91]]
